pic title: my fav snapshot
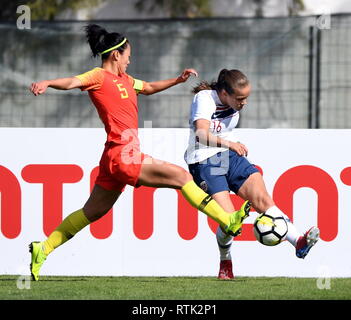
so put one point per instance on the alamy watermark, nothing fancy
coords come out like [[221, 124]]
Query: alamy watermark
[[323, 22], [23, 21], [23, 281], [324, 279]]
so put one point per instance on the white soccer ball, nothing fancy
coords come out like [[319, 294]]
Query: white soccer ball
[[270, 229]]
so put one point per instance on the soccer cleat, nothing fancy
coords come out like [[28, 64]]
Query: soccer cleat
[[225, 270], [38, 258], [237, 218], [306, 242]]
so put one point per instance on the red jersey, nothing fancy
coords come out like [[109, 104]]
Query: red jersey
[[115, 98]]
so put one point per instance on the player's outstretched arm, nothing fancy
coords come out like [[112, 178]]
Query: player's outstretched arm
[[157, 86], [40, 87]]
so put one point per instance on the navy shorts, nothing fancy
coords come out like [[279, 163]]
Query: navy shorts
[[222, 172]]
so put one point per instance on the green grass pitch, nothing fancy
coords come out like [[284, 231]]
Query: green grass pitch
[[173, 288]]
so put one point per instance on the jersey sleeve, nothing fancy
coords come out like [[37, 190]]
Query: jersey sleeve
[[202, 107], [91, 80], [138, 85]]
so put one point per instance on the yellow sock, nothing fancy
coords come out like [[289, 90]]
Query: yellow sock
[[202, 201], [75, 222]]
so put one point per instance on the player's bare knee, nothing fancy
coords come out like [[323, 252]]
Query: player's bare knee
[[263, 203], [183, 177]]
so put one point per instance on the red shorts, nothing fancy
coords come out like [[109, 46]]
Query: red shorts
[[119, 166]]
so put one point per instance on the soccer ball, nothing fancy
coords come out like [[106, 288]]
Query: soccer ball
[[270, 229]]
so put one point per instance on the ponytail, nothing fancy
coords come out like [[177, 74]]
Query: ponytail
[[100, 41], [203, 85], [95, 37]]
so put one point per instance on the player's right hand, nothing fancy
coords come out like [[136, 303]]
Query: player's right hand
[[38, 87]]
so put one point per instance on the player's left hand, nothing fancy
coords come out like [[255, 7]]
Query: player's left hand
[[186, 75]]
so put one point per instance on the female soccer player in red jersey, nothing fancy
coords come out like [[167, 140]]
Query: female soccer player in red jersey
[[114, 94]]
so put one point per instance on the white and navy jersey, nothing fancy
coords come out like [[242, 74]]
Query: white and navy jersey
[[223, 119]]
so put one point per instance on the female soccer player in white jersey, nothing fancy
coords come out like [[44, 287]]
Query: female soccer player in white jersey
[[219, 165]]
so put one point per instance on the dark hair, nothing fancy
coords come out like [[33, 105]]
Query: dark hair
[[228, 80], [100, 40]]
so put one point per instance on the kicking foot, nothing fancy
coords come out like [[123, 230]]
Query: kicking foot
[[306, 242]]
